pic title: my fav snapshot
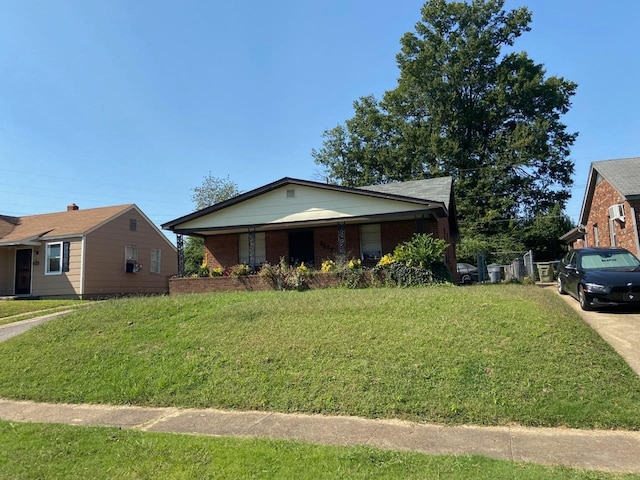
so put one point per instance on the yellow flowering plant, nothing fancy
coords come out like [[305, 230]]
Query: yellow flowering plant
[[386, 260], [328, 266]]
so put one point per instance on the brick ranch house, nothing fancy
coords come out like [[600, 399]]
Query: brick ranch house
[[306, 221], [610, 209]]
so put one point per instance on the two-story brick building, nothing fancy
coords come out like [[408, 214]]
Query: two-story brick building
[[610, 208]]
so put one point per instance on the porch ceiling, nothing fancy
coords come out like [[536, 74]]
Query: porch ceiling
[[429, 213]]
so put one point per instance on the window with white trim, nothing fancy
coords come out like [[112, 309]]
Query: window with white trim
[[370, 242], [260, 248], [53, 259], [156, 260]]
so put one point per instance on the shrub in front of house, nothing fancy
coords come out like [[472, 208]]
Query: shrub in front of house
[[239, 270], [286, 277], [413, 263]]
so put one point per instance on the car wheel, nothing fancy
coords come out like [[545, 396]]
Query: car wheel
[[584, 299], [466, 279], [561, 290]]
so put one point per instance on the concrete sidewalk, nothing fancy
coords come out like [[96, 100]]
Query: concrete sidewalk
[[10, 330], [616, 451]]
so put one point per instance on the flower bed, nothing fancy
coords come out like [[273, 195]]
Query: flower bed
[[180, 285]]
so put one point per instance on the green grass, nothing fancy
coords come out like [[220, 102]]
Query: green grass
[[487, 355], [14, 310], [60, 451]]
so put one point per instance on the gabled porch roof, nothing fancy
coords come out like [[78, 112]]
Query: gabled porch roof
[[290, 203]]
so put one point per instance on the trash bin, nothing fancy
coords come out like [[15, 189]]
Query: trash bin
[[495, 272], [545, 272]]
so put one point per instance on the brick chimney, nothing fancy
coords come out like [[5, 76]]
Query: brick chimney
[[72, 207]]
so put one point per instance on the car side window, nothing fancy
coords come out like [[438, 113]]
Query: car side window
[[570, 259]]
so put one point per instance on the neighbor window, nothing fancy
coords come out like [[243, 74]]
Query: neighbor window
[[54, 258], [133, 224], [154, 264], [370, 242], [260, 248], [130, 258]]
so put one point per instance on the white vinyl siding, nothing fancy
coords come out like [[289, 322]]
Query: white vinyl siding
[[370, 242], [260, 247]]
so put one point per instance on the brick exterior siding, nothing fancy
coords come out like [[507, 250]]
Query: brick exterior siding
[[624, 233], [222, 250]]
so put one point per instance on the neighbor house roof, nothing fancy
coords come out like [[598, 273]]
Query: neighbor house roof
[[35, 228], [623, 174]]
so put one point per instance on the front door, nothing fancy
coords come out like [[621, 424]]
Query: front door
[[301, 247], [23, 271]]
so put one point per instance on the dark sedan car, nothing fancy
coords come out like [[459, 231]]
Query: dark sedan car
[[467, 273], [600, 277]]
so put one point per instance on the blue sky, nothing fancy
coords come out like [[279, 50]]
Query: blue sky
[[111, 102]]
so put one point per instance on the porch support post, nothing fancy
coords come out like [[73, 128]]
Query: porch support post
[[342, 240], [252, 249], [180, 247]]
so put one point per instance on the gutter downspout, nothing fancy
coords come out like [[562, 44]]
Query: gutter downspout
[[82, 265]]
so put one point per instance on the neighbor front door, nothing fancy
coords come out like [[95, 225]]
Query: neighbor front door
[[23, 271]]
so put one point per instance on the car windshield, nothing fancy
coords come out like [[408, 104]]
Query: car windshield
[[609, 260]]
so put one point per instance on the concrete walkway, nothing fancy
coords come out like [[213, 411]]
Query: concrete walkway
[[10, 330], [615, 451]]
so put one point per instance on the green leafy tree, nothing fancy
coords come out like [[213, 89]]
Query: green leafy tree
[[542, 234], [466, 105], [212, 190]]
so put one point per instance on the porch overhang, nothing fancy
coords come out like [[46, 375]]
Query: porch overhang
[[314, 223], [27, 242]]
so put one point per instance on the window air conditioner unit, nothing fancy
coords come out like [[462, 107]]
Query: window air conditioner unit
[[616, 212]]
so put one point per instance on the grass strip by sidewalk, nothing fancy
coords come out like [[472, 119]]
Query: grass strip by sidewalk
[[62, 451], [486, 355], [16, 310]]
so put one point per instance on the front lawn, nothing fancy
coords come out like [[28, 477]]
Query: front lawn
[[486, 354]]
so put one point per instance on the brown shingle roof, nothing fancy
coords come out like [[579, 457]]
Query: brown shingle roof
[[56, 225]]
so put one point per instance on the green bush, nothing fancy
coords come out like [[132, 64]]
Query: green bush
[[422, 250], [415, 262]]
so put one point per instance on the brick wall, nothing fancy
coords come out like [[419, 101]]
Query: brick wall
[[393, 233], [624, 235], [276, 246], [325, 244], [221, 250]]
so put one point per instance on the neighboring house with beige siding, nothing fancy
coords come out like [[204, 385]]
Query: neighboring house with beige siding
[[610, 214], [84, 253], [305, 221]]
